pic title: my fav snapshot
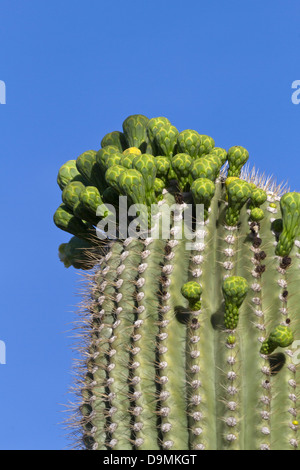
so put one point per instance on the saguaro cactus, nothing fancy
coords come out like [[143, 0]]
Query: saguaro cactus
[[187, 334]]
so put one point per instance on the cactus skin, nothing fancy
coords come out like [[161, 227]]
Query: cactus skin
[[184, 348]]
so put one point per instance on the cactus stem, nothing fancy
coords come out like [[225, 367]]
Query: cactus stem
[[171, 348], [146, 328]]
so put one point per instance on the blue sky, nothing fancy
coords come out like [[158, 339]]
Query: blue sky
[[74, 70]]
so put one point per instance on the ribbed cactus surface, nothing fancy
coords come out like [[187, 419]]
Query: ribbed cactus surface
[[188, 341]]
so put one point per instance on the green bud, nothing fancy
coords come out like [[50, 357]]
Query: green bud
[[65, 220], [237, 157], [238, 192], [182, 164], [220, 153], [205, 167], [159, 186], [203, 191], [134, 128], [206, 145], [103, 154], [131, 184], [231, 339], [91, 200], [162, 168], [235, 289], [87, 166], [67, 173], [290, 209], [113, 160], [192, 292], [128, 159], [281, 336], [258, 197], [153, 127], [155, 124], [112, 174], [145, 164], [71, 193], [165, 139], [257, 214], [115, 138], [188, 142]]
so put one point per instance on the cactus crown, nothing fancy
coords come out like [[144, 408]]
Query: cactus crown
[[180, 335]]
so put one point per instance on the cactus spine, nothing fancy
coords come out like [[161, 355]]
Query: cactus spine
[[187, 344]]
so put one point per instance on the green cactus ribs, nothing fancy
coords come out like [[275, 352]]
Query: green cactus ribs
[[187, 336]]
